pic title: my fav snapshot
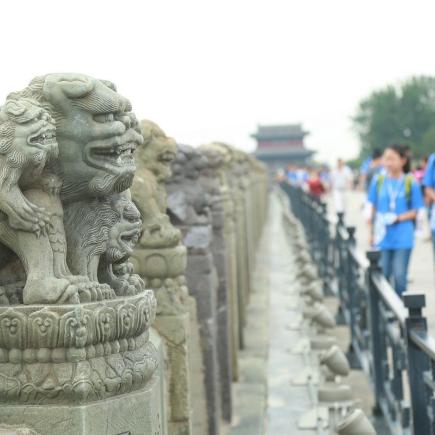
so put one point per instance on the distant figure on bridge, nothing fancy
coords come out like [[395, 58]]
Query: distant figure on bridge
[[315, 184], [374, 169], [301, 177], [429, 184], [341, 182], [396, 198], [362, 173]]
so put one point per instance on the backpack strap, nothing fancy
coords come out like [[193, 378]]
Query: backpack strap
[[379, 182], [409, 179]]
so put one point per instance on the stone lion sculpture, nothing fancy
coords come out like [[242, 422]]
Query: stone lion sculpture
[[189, 205], [74, 318], [110, 229], [153, 159], [31, 220], [212, 175], [65, 139]]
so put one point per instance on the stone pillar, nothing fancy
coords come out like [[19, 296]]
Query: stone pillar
[[230, 242], [212, 181], [161, 261], [235, 174], [75, 350], [189, 210]]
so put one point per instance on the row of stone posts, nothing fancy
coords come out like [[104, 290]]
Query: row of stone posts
[[125, 267]]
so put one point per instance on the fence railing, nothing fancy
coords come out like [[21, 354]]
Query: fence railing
[[389, 339]]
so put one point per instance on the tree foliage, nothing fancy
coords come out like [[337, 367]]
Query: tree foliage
[[398, 114]]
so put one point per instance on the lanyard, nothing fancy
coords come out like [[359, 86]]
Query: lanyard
[[393, 194]]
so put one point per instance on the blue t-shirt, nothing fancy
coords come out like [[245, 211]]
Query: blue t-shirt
[[392, 198], [365, 165], [292, 177], [429, 173], [429, 181]]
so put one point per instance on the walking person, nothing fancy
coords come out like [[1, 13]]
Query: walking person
[[429, 185], [315, 184], [395, 198], [341, 181], [375, 168]]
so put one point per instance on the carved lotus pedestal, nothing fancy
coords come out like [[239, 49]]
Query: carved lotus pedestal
[[80, 369]]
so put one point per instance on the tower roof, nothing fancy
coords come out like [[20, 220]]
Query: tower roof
[[281, 131]]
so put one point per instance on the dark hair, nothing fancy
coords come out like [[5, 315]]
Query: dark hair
[[403, 152], [376, 153]]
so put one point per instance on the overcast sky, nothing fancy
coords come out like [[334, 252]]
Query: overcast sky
[[212, 70]]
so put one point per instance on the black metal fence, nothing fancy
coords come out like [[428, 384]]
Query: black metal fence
[[389, 338]]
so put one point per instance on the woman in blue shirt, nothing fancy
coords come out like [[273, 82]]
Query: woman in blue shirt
[[395, 198], [429, 184]]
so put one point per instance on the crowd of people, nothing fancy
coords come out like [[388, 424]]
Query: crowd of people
[[399, 199]]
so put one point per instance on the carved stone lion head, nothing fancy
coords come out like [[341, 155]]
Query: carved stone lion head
[[157, 151], [124, 235], [217, 155], [188, 163], [27, 133], [96, 132]]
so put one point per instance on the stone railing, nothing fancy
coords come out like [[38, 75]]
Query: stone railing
[[125, 266], [389, 337]]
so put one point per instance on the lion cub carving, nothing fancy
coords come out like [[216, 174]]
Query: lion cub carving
[[31, 214], [27, 143]]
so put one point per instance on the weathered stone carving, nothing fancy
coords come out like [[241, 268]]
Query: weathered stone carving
[[154, 157], [230, 237], [109, 231], [74, 318], [189, 209], [188, 206], [31, 221], [160, 259], [211, 180], [16, 430]]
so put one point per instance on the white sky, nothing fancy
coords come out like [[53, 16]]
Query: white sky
[[212, 70]]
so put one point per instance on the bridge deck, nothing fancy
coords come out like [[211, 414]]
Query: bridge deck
[[265, 401]]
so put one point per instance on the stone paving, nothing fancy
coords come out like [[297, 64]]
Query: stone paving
[[286, 403], [265, 401], [250, 392]]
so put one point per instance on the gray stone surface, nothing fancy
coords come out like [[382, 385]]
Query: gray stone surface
[[16, 430], [137, 413], [265, 400], [161, 261], [163, 405], [192, 216], [250, 392]]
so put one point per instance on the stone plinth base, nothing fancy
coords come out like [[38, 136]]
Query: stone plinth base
[[135, 413], [202, 283], [161, 369], [174, 331]]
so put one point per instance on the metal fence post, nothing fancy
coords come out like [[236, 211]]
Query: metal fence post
[[418, 363], [323, 243], [340, 269], [376, 335], [351, 299]]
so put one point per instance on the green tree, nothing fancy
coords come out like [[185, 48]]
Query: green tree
[[398, 114]]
